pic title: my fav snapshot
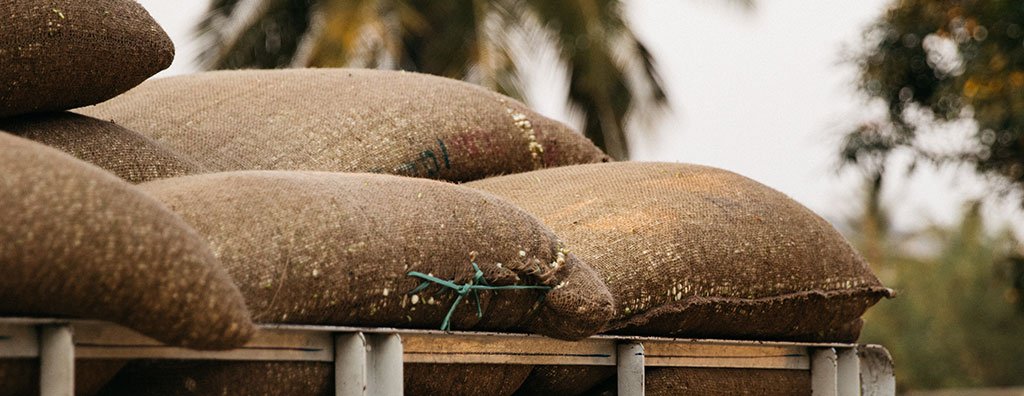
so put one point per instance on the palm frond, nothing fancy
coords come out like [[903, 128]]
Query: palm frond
[[591, 33], [255, 33], [612, 75]]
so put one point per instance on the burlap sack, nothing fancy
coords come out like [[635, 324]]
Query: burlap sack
[[123, 152], [62, 54], [328, 248], [694, 251], [20, 377], [564, 380], [346, 120], [718, 382], [180, 378], [464, 379], [77, 241], [216, 378], [331, 248]]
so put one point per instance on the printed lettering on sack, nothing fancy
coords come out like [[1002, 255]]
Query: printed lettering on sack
[[427, 164]]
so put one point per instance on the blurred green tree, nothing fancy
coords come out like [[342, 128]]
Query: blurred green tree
[[936, 61], [612, 75], [956, 321]]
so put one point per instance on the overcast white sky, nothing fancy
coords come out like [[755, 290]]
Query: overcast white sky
[[761, 93]]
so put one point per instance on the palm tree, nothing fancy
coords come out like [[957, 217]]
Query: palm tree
[[611, 74]]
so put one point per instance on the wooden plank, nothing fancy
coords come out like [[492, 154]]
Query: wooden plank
[[726, 355], [19, 341], [350, 365], [56, 361], [95, 339], [504, 349], [824, 381], [630, 368], [106, 341], [876, 371]]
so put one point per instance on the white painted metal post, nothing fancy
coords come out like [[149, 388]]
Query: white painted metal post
[[385, 377], [824, 372], [350, 365], [56, 361], [876, 371], [630, 363], [848, 370]]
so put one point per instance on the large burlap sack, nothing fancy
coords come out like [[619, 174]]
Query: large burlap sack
[[718, 382], [346, 120], [77, 241], [216, 378], [20, 377], [181, 378], [123, 152], [464, 379], [564, 380], [694, 251], [62, 54], [329, 248]]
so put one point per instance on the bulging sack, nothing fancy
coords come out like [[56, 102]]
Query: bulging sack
[[341, 249], [346, 120], [695, 251], [125, 153], [77, 241], [62, 54], [701, 381]]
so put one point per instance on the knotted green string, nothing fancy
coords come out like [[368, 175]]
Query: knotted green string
[[477, 283]]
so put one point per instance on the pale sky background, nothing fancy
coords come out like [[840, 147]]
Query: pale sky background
[[762, 93]]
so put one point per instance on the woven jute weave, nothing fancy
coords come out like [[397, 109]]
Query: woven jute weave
[[346, 120], [332, 248], [718, 382], [20, 377], [62, 54], [186, 378], [76, 241], [695, 251], [215, 378], [125, 153]]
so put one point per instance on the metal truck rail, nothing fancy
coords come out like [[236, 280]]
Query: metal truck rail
[[368, 361]]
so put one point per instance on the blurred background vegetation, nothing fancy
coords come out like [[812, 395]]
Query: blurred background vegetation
[[611, 73], [931, 64], [959, 319]]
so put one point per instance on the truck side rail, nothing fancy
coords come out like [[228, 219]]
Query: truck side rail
[[368, 361]]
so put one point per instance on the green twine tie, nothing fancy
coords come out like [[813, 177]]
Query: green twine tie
[[477, 283]]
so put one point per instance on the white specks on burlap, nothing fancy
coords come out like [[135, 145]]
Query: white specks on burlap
[[522, 122], [696, 251], [78, 241], [374, 229], [125, 153], [270, 227], [346, 120], [62, 54]]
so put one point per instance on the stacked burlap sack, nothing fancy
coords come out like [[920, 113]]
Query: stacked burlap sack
[[187, 208]]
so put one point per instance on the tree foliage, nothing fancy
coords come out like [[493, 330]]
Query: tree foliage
[[957, 321], [611, 73], [936, 61]]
